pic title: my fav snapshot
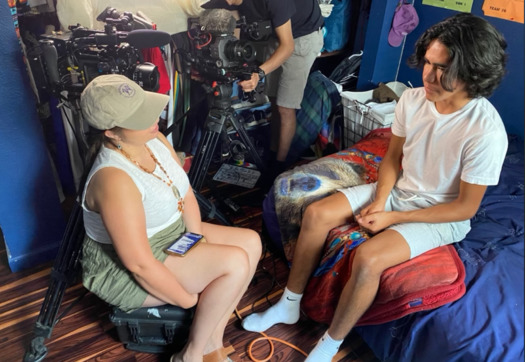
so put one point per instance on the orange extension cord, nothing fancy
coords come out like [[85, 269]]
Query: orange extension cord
[[269, 340]]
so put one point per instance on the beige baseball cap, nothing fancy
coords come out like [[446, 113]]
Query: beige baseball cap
[[114, 100]]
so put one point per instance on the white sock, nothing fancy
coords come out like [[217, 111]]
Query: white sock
[[324, 350], [286, 310]]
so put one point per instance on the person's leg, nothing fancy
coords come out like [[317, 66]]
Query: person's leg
[[393, 246], [292, 82], [372, 257], [245, 239], [319, 218], [275, 126], [397, 244], [219, 274], [288, 124], [271, 85]]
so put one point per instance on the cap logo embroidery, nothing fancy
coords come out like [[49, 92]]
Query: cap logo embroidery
[[126, 90]]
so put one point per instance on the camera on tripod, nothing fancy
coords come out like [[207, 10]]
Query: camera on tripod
[[223, 52], [69, 61], [214, 53]]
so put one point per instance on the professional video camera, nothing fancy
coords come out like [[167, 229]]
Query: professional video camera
[[69, 61], [211, 53], [215, 53]]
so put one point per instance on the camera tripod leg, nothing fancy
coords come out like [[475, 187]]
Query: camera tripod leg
[[200, 164], [214, 130], [209, 209], [214, 127], [247, 142], [202, 160], [64, 271]]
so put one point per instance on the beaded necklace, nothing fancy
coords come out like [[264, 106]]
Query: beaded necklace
[[169, 183]]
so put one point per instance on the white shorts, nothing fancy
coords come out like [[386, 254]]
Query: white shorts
[[421, 237]]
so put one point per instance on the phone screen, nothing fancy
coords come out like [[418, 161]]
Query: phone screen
[[183, 244]]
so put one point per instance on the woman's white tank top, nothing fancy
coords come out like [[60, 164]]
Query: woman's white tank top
[[161, 205]]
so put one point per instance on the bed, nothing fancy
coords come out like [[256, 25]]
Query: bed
[[456, 303]]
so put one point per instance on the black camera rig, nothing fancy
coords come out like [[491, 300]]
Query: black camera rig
[[212, 55], [211, 51], [70, 60]]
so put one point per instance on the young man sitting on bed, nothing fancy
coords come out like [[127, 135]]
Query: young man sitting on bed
[[449, 142]]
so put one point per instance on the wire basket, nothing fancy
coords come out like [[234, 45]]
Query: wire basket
[[361, 117], [359, 120]]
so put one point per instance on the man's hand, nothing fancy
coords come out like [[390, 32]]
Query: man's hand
[[373, 207], [373, 217], [250, 84], [376, 221]]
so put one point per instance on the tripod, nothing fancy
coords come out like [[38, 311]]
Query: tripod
[[65, 270], [220, 115]]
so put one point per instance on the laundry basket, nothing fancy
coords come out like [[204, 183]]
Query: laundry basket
[[361, 115]]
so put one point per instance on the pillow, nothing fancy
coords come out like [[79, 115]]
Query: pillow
[[425, 282]]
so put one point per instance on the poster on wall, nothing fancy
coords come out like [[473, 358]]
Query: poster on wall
[[505, 9], [465, 6]]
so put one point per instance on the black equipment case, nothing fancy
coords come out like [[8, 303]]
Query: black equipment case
[[153, 330]]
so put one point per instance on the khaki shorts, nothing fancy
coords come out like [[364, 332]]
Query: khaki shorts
[[287, 82], [104, 274]]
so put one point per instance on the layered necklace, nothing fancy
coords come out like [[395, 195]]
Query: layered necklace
[[168, 181]]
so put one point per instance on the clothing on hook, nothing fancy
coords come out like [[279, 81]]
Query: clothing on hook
[[404, 22]]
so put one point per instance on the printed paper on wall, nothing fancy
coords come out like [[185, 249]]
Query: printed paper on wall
[[465, 6], [504, 9]]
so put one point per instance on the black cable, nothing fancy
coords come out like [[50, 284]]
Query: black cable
[[79, 141]]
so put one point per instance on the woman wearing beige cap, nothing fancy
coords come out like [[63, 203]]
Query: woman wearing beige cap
[[137, 200]]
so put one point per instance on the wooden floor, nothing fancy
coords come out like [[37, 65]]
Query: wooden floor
[[85, 333]]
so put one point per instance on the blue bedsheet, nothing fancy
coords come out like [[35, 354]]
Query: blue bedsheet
[[487, 323]]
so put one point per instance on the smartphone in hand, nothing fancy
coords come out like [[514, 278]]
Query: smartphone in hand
[[183, 244]]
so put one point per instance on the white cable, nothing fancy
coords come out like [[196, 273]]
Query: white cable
[[400, 57]]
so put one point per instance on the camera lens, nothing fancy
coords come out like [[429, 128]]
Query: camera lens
[[240, 50], [147, 76]]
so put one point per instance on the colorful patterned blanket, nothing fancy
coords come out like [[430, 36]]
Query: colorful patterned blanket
[[299, 187]]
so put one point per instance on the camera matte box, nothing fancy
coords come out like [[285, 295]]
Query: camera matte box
[[153, 330]]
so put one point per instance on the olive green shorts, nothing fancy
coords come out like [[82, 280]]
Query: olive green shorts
[[104, 274]]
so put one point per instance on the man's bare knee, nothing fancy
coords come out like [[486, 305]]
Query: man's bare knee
[[318, 215], [328, 211], [366, 264], [381, 252]]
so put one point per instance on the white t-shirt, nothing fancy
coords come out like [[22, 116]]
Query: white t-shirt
[[442, 149], [160, 204]]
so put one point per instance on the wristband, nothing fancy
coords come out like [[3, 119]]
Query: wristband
[[261, 73]]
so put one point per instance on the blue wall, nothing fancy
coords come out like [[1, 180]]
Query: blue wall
[[380, 60], [31, 218]]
